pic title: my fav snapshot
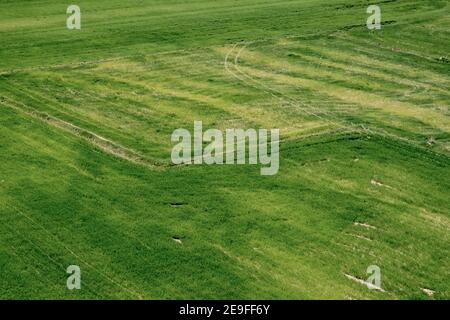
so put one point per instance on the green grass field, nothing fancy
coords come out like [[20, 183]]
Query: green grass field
[[85, 172]]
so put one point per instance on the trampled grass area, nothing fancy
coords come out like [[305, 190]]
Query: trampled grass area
[[85, 172]]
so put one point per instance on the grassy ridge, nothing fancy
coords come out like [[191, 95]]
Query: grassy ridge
[[364, 154], [34, 32]]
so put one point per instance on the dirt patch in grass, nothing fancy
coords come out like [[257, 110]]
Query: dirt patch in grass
[[177, 239], [363, 224], [368, 284], [429, 292]]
